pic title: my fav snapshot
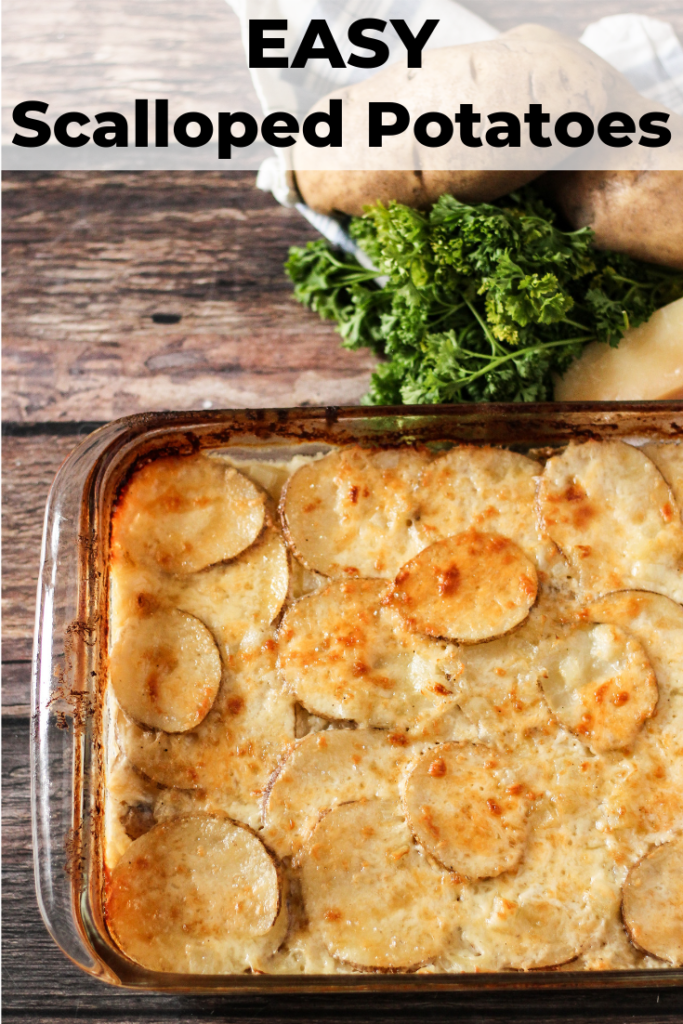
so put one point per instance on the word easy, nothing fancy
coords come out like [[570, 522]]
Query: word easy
[[318, 43]]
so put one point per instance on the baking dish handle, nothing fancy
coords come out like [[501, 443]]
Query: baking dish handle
[[62, 688]]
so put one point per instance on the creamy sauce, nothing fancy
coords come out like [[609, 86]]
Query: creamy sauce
[[555, 820]]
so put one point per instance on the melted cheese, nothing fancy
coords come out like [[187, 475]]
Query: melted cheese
[[435, 806]]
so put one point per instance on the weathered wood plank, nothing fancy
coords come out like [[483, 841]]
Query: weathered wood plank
[[71, 52], [91, 258], [29, 466]]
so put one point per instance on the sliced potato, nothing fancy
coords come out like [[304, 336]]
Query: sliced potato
[[233, 599], [325, 769], [600, 685], [612, 514], [470, 587], [243, 596], [465, 804], [346, 656], [531, 934], [644, 801], [192, 895], [237, 746], [652, 904], [166, 670], [352, 512], [548, 911], [668, 458], [482, 488], [181, 514], [375, 899], [498, 688], [657, 623]]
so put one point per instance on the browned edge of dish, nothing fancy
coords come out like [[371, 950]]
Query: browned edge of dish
[[143, 438]]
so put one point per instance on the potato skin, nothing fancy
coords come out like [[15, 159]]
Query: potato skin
[[527, 62], [349, 192], [639, 213]]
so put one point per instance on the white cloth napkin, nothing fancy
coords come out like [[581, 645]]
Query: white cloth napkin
[[645, 50]]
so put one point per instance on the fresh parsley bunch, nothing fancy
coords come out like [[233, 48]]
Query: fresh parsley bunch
[[483, 302]]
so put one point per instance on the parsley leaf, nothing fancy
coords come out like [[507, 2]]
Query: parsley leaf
[[485, 302]]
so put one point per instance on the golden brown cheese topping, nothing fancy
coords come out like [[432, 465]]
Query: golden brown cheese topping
[[430, 721], [470, 587], [465, 804]]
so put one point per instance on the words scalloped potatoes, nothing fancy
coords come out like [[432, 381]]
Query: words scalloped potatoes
[[528, 101]]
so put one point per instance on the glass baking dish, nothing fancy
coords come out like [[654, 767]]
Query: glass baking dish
[[71, 643]]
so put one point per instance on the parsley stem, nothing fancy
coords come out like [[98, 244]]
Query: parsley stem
[[495, 363], [482, 323]]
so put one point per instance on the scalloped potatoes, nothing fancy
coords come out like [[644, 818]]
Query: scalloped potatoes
[[430, 721]]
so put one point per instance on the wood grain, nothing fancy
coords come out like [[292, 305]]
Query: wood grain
[[74, 53], [91, 258], [29, 466]]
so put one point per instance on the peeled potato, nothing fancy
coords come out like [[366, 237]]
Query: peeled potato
[[325, 769], [344, 655], [352, 512], [166, 670], [470, 587], [652, 904], [181, 514], [194, 895], [599, 683], [612, 514], [376, 900], [465, 805], [648, 364]]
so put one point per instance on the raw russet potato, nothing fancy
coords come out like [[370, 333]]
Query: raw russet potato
[[525, 65], [639, 213], [648, 364]]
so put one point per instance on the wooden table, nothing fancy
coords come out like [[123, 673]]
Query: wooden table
[[95, 267]]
